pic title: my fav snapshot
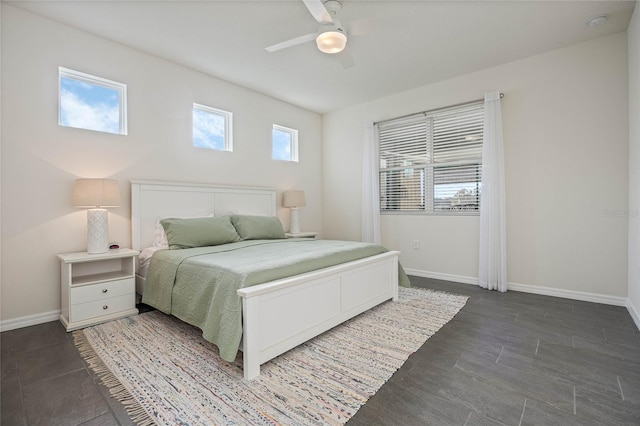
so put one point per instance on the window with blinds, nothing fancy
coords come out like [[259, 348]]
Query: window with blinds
[[432, 162]]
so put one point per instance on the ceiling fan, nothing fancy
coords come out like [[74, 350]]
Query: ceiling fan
[[331, 37]]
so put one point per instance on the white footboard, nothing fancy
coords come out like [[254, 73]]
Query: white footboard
[[282, 314]]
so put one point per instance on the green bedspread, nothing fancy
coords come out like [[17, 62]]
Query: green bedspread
[[198, 285]]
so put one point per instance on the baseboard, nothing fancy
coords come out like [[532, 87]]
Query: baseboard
[[26, 321], [527, 288], [440, 276], [634, 313], [570, 294]]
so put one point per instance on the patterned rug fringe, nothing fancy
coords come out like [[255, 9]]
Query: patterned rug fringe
[[117, 390]]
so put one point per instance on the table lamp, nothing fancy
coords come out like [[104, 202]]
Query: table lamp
[[294, 200], [97, 195]]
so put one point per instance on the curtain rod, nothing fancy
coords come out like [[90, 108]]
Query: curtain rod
[[375, 123]]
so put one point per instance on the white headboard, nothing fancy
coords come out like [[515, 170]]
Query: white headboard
[[151, 200]]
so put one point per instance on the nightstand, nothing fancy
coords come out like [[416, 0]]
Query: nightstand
[[310, 235], [96, 288]]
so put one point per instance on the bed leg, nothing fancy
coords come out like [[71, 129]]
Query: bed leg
[[395, 280], [250, 351], [251, 370]]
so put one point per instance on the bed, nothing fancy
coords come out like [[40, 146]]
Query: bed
[[276, 311]]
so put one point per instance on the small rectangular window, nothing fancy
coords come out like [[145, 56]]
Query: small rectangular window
[[92, 103], [212, 128], [284, 143], [432, 162]]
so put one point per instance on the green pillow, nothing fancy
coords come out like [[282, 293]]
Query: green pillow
[[258, 227], [199, 232]]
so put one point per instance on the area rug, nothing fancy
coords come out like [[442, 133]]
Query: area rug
[[165, 373]]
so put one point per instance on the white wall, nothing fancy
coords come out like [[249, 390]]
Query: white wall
[[41, 160], [566, 146], [633, 34]]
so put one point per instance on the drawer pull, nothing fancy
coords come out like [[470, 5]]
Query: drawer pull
[[105, 307], [104, 290]]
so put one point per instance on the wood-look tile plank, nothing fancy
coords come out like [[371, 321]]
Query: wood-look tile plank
[[70, 399], [537, 413], [12, 411], [38, 336], [47, 362], [606, 409], [105, 419]]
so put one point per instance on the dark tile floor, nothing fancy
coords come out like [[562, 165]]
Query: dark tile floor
[[505, 359]]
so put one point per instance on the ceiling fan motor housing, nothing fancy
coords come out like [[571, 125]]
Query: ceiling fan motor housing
[[333, 7]]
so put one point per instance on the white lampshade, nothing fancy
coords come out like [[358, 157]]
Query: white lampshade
[[294, 199], [92, 193], [96, 195], [332, 41]]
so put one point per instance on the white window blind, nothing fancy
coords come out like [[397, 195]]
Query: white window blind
[[431, 162]]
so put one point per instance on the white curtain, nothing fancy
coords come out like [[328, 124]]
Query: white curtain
[[370, 187], [492, 272]]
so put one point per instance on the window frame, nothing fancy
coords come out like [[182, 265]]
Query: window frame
[[121, 88], [427, 167], [293, 145], [228, 126]]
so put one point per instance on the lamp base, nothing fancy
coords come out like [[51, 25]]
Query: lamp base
[[97, 231], [295, 220]]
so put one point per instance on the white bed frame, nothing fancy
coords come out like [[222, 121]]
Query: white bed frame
[[278, 315]]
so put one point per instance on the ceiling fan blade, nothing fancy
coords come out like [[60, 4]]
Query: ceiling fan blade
[[291, 42], [318, 11], [345, 58]]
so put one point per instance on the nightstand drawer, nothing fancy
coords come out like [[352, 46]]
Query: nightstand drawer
[[102, 291], [104, 307]]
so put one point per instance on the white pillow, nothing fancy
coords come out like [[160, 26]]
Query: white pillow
[[145, 259], [159, 236]]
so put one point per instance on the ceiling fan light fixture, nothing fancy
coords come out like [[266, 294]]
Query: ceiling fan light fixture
[[332, 41]]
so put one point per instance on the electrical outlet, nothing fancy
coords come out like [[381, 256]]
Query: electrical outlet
[[416, 244]]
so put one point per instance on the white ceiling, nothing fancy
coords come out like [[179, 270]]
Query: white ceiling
[[424, 41]]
